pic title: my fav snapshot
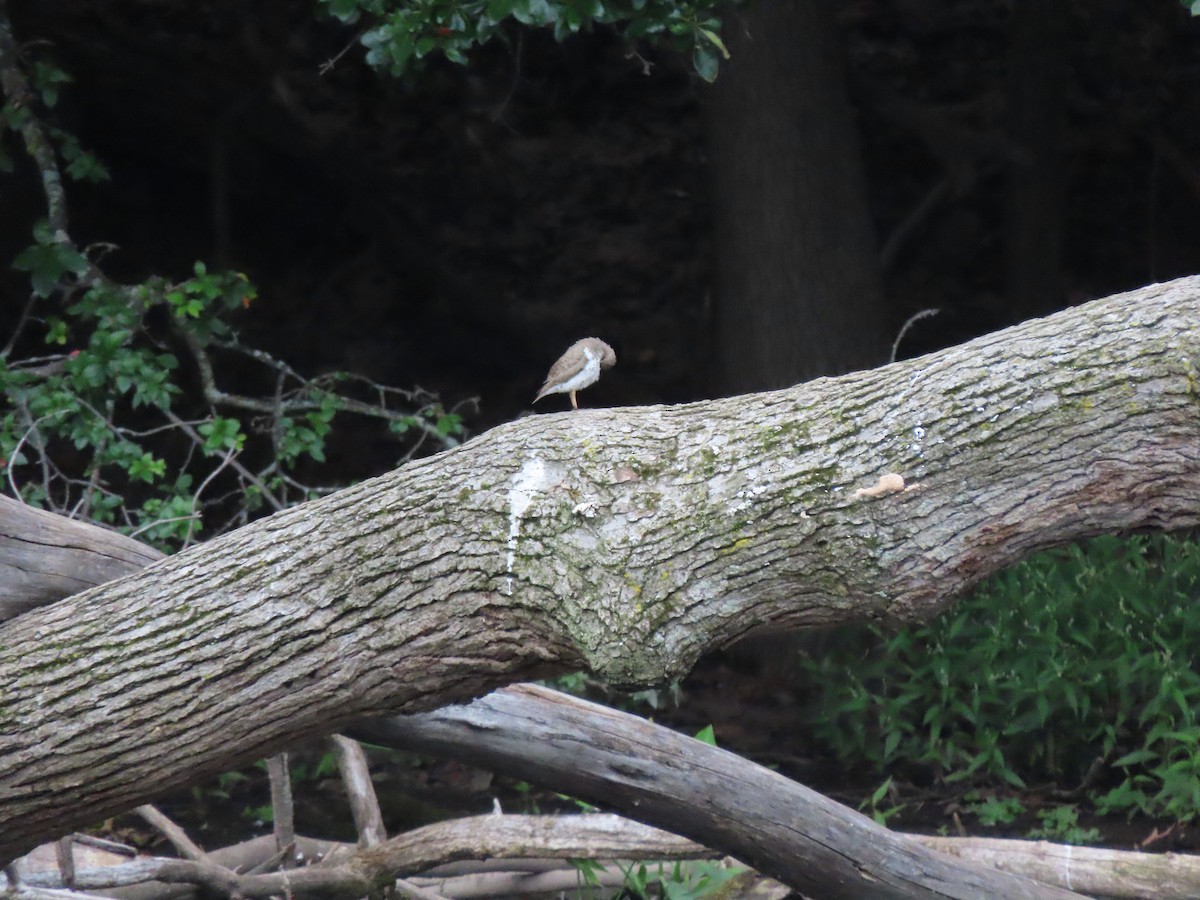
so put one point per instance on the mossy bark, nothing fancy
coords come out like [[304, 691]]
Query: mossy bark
[[627, 541]]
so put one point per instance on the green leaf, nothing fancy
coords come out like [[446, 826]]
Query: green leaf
[[46, 262], [706, 63], [706, 735], [56, 331], [346, 10], [86, 167], [715, 39]]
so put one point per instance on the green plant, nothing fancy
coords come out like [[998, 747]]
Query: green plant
[[676, 881], [873, 803], [1076, 655], [995, 811], [1061, 824], [101, 416], [706, 735], [401, 36]]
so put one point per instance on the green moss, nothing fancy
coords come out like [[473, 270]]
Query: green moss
[[737, 545], [649, 500], [646, 469]]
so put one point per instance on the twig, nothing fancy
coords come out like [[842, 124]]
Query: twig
[[356, 776], [65, 858], [172, 832], [326, 67], [20, 326], [37, 142], [561, 837], [902, 232], [17, 450], [909, 323], [225, 462], [273, 501], [281, 801]]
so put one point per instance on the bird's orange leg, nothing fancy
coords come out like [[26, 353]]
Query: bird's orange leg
[[574, 405]]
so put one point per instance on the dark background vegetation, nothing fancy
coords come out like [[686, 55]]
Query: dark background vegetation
[[458, 229]]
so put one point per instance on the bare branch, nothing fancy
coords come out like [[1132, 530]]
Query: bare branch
[[284, 818], [37, 142], [364, 805], [482, 837], [172, 832]]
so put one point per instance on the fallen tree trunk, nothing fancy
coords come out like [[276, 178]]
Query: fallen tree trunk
[[625, 541], [783, 829]]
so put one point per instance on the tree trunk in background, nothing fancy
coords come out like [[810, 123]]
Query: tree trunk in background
[[798, 289], [1037, 88]]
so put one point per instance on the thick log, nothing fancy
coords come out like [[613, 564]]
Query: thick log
[[44, 557], [626, 541]]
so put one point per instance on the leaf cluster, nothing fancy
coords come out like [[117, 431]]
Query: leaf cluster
[[1077, 667], [113, 407], [671, 881], [111, 425], [400, 36]]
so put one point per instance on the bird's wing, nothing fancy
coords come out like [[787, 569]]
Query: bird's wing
[[567, 367]]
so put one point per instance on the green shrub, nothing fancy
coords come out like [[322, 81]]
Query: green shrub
[[1078, 655]]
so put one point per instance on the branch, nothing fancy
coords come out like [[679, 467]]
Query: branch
[[356, 776], [597, 837], [37, 143], [785, 830]]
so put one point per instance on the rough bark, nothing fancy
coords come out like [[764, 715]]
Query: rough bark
[[799, 288], [627, 541]]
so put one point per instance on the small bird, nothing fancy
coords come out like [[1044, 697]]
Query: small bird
[[578, 368]]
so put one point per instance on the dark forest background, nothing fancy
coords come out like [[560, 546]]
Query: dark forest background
[[459, 228]]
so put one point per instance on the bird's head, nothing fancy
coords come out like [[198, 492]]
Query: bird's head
[[608, 357]]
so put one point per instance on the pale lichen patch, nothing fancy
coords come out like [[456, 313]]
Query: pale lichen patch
[[533, 478]]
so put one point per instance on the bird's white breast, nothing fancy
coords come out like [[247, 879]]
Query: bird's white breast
[[585, 376]]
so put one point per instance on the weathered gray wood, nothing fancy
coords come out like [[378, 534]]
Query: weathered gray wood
[[783, 829], [1093, 871], [367, 871], [627, 541], [44, 557]]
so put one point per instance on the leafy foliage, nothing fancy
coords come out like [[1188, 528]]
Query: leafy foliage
[[124, 421], [400, 35], [672, 881], [1061, 824], [109, 427], [1074, 659]]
